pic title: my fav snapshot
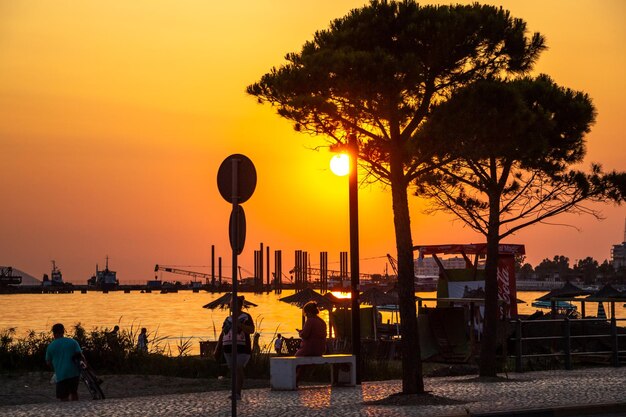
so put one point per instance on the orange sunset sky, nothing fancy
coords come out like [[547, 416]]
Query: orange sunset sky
[[115, 116]]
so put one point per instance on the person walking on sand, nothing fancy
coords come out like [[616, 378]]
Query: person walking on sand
[[60, 355], [241, 341], [112, 338]]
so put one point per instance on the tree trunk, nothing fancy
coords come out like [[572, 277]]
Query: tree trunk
[[412, 381], [488, 364]]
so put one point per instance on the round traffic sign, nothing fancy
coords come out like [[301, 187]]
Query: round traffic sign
[[237, 229], [236, 178]]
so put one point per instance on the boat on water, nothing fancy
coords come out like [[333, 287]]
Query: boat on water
[[55, 279], [426, 283], [104, 279], [559, 305]]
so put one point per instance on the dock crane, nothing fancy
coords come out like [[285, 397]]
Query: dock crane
[[7, 277], [195, 275], [331, 272], [393, 263]]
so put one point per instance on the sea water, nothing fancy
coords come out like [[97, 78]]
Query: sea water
[[175, 316]]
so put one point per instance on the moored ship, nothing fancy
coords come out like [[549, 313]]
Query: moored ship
[[104, 279], [55, 279]]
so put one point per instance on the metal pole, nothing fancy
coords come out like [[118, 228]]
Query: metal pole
[[567, 344], [614, 339], [212, 268], [267, 256], [518, 346], [259, 288], [278, 271], [354, 253], [234, 306]]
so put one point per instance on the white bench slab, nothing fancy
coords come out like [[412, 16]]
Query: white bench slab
[[283, 369]]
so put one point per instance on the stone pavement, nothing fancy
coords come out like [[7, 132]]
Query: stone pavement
[[582, 388]]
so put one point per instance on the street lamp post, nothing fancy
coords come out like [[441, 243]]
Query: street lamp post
[[354, 254], [353, 186]]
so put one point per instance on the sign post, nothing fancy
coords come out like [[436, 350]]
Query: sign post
[[236, 181]]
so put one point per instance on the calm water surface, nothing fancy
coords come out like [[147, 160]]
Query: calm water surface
[[173, 315]]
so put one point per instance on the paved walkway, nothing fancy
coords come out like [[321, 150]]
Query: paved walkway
[[533, 390]]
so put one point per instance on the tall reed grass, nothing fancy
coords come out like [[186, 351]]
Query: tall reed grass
[[118, 354], [108, 353]]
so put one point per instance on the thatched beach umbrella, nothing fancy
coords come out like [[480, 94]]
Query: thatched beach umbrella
[[224, 302], [375, 297], [336, 301], [608, 291], [567, 290], [300, 298], [393, 292]]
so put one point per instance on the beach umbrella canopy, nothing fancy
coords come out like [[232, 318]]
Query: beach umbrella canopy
[[375, 297], [608, 291], [336, 301], [300, 298], [224, 302], [393, 292], [567, 290]]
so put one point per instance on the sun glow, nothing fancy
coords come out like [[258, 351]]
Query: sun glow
[[340, 164], [101, 97], [340, 294]]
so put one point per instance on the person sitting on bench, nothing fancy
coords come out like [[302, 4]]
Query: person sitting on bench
[[313, 334]]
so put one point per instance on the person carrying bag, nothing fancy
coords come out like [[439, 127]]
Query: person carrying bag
[[239, 344]]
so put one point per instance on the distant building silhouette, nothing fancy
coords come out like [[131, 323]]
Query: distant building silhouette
[[618, 253], [428, 266]]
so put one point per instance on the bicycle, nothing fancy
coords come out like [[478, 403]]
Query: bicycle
[[90, 379]]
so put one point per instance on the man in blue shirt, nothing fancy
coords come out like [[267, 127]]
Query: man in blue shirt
[[60, 355]]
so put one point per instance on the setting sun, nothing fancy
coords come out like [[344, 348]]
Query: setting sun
[[394, 153], [138, 103], [340, 164], [341, 294]]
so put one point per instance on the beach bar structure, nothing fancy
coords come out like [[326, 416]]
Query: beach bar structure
[[451, 329], [470, 281]]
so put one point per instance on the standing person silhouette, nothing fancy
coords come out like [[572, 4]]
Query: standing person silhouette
[[142, 340], [278, 343], [113, 338], [241, 341], [60, 356]]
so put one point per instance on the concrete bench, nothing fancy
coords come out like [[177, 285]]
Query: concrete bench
[[283, 369]]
